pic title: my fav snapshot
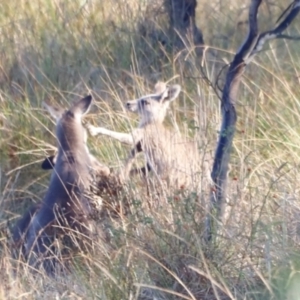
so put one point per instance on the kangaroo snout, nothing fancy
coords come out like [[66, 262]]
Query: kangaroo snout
[[132, 105]]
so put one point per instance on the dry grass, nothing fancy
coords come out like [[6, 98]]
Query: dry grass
[[60, 50]]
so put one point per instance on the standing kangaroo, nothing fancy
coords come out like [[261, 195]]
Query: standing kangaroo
[[170, 157], [65, 205], [97, 167]]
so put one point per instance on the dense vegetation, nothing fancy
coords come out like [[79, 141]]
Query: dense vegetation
[[117, 50]]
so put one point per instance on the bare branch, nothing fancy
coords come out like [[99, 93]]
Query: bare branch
[[288, 37], [288, 16], [237, 66], [251, 46], [253, 30], [291, 6], [217, 86]]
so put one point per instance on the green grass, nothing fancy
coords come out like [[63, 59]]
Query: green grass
[[61, 50]]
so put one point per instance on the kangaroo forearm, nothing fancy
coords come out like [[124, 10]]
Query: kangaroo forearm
[[125, 138]]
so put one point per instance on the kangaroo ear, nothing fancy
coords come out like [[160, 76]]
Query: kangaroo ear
[[55, 111], [159, 87], [82, 106], [49, 163], [171, 93]]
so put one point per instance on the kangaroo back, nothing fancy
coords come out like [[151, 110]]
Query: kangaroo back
[[71, 175], [65, 204], [72, 165]]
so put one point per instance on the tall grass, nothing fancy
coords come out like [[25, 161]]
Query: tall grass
[[61, 50]]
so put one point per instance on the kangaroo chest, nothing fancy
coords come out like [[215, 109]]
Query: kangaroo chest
[[159, 146]]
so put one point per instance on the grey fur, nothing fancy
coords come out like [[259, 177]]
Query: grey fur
[[172, 158], [66, 204]]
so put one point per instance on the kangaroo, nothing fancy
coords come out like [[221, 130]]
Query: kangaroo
[[170, 157], [65, 204], [97, 167]]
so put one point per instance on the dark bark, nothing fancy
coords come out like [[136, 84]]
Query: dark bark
[[250, 47], [183, 29]]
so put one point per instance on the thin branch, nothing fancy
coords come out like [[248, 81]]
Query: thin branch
[[218, 78], [253, 31], [251, 46], [290, 14], [288, 37], [229, 118], [291, 6], [238, 65]]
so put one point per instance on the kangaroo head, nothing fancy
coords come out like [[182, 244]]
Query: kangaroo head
[[69, 130], [153, 107]]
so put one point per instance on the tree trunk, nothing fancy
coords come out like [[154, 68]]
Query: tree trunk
[[183, 29]]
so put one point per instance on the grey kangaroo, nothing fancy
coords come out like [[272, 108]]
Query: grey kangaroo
[[172, 158], [97, 167], [66, 204]]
